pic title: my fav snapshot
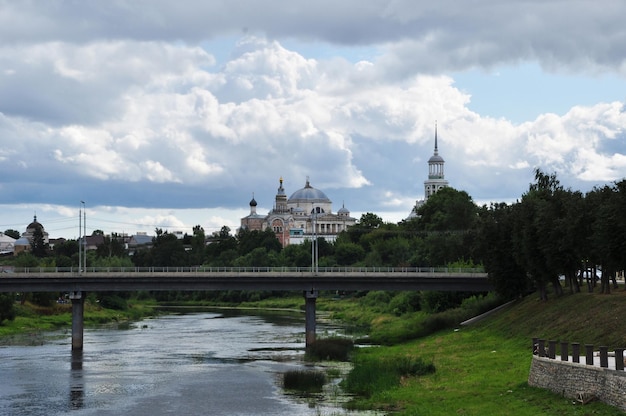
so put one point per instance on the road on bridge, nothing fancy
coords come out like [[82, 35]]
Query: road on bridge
[[194, 279]]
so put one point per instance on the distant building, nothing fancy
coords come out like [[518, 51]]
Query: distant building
[[24, 243], [139, 241], [436, 179], [7, 244], [306, 214]]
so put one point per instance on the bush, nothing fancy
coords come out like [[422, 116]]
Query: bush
[[113, 302], [310, 381], [7, 310], [334, 349], [371, 375], [405, 302]]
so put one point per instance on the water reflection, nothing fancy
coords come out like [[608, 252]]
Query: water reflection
[[77, 382], [174, 364]]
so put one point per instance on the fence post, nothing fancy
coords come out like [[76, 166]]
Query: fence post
[[541, 346], [619, 358], [589, 354], [551, 349], [564, 352], [604, 357], [575, 352]]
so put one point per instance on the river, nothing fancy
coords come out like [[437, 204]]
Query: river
[[210, 363]]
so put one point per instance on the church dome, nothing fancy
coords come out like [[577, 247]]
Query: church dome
[[253, 202], [435, 159], [308, 194], [34, 225]]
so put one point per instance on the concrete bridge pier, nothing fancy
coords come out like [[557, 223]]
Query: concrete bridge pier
[[78, 304], [310, 297]]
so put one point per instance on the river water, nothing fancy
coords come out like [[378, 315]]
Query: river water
[[211, 363]]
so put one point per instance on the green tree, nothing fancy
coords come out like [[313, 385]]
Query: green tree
[[221, 249], [448, 220], [535, 238], [296, 255], [348, 253], [365, 225], [168, 251], [496, 247], [198, 246], [112, 246], [7, 309], [249, 240], [38, 246], [12, 233], [608, 205], [258, 257], [25, 259]]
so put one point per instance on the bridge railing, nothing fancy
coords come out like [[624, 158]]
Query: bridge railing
[[236, 270]]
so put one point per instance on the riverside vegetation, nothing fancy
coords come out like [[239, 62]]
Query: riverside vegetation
[[427, 364], [549, 236]]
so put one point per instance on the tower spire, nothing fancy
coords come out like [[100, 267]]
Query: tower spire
[[436, 151]]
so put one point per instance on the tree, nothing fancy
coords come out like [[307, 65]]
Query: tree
[[197, 255], [370, 221], [7, 310], [296, 255], [167, 251], [608, 227], [366, 224], [68, 248], [448, 210], [112, 246], [536, 232], [496, 247], [222, 249], [12, 233], [249, 240], [348, 253], [39, 248], [448, 220]]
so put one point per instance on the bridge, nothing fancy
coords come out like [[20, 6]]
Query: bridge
[[305, 279]]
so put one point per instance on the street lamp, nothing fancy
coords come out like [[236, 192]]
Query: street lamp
[[80, 228], [82, 242], [314, 245]]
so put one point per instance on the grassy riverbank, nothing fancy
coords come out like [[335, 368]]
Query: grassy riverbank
[[483, 369], [480, 369], [33, 319]]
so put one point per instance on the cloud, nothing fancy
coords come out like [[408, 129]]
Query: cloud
[[416, 35], [131, 104]]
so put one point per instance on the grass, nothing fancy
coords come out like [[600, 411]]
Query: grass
[[32, 319], [480, 370], [483, 369], [306, 381], [330, 349]]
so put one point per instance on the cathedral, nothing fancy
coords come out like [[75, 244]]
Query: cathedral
[[306, 214], [435, 181]]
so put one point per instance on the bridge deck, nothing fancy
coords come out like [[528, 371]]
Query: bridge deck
[[192, 279]]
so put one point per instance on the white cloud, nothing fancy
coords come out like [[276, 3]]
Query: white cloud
[[121, 114]]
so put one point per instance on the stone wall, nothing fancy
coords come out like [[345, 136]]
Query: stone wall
[[570, 379]]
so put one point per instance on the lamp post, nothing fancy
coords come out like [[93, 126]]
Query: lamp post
[[80, 229], [83, 249], [314, 245]]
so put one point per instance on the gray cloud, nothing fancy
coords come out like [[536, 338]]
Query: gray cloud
[[420, 35], [119, 103]]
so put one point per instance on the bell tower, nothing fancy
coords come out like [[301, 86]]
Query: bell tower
[[436, 179]]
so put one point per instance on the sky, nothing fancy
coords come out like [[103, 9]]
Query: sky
[[161, 114]]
